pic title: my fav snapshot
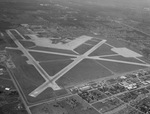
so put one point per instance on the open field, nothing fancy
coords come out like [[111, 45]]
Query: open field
[[54, 50], [5, 74], [120, 67], [27, 86], [9, 40], [64, 106], [22, 30], [22, 66], [27, 44], [27, 37], [116, 43], [103, 50], [119, 44], [54, 67], [48, 57], [29, 79], [3, 43], [83, 48], [7, 83], [86, 70], [121, 58], [93, 41], [108, 104], [144, 59], [18, 37]]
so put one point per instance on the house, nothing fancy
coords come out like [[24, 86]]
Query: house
[[128, 85], [85, 88]]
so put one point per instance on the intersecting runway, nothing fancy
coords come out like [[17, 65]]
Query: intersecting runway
[[50, 81]]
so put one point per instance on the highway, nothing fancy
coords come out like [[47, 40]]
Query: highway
[[132, 27]]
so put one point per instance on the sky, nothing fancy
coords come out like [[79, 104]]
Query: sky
[[117, 2], [131, 3]]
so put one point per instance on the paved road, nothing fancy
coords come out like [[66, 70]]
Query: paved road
[[19, 90], [133, 28]]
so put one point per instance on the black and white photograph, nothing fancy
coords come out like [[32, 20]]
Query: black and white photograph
[[74, 56]]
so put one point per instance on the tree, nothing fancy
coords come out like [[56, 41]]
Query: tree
[[146, 52]]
